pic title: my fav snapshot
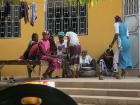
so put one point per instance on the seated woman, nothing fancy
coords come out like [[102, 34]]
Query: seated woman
[[44, 53], [105, 62], [87, 62]]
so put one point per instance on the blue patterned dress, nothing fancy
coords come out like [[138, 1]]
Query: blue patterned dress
[[125, 60]]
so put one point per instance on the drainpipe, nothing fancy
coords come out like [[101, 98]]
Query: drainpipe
[[45, 14], [139, 33]]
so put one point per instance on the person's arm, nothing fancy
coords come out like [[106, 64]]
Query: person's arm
[[108, 56], [68, 41], [127, 33], [81, 61], [89, 58], [102, 56], [114, 40], [65, 47], [116, 27]]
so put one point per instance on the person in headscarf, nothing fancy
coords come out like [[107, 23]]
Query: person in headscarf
[[61, 44], [45, 54], [122, 57], [86, 60], [74, 50]]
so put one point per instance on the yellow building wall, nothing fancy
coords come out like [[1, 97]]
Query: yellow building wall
[[100, 33]]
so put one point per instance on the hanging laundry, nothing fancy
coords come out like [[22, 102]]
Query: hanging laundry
[[7, 8], [33, 15], [24, 11]]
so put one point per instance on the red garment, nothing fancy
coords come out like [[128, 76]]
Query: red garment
[[33, 50], [54, 62], [44, 54]]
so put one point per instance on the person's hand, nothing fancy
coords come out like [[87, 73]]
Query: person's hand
[[127, 37], [110, 46], [59, 48]]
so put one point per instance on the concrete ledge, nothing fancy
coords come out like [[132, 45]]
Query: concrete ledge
[[106, 100], [102, 85], [102, 92]]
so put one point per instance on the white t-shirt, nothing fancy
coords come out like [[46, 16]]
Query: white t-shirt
[[63, 47], [116, 26], [73, 38], [87, 59]]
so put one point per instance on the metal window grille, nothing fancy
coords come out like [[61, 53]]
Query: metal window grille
[[60, 16], [131, 7], [10, 24]]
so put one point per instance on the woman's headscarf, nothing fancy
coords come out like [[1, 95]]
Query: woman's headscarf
[[46, 33]]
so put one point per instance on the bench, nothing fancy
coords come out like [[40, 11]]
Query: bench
[[22, 62]]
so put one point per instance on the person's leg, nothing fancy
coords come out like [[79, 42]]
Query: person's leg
[[115, 63], [123, 74], [76, 69], [50, 73], [76, 61], [72, 69], [93, 64], [102, 69], [29, 71], [30, 68], [115, 60], [72, 59], [77, 64], [64, 67], [46, 73]]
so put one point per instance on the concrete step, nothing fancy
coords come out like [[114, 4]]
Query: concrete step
[[133, 72], [106, 100], [135, 84], [102, 92]]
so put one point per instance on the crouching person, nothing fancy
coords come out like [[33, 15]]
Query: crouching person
[[105, 62], [87, 65]]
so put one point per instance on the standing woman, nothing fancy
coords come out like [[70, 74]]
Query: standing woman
[[74, 50], [122, 55]]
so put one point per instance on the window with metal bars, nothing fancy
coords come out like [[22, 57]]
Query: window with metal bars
[[131, 7], [10, 22], [59, 16]]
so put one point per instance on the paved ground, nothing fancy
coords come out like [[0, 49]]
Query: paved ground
[[107, 79]]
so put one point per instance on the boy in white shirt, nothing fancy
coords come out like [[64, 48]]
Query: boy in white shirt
[[61, 44]]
